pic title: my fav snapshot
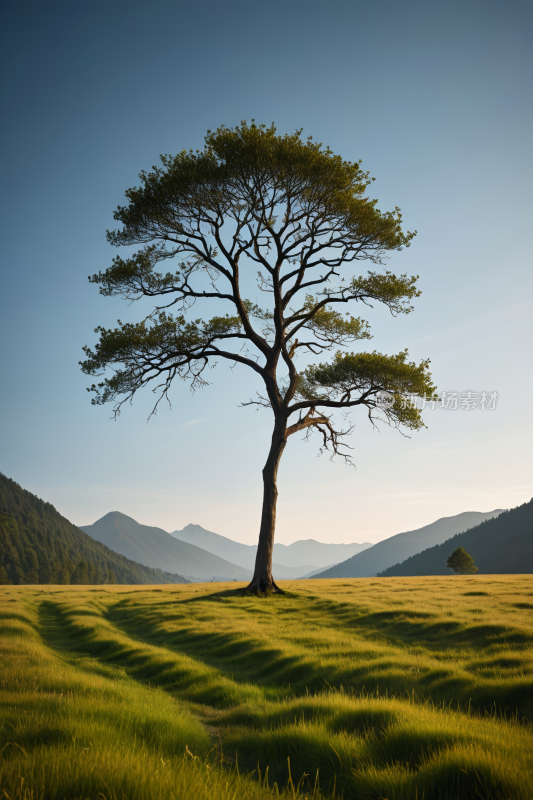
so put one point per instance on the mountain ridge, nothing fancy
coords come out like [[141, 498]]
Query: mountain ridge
[[153, 547], [501, 545], [40, 546], [401, 546], [304, 554]]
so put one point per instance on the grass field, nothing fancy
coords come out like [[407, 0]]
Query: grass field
[[371, 688]]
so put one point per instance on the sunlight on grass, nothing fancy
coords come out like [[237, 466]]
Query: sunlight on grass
[[393, 688]]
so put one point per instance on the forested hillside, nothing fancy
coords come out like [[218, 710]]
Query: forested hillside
[[501, 546], [157, 549], [38, 545], [396, 549]]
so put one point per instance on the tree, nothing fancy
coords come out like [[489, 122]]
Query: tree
[[81, 573], [291, 210], [461, 562], [5, 580], [32, 573], [66, 570], [45, 570]]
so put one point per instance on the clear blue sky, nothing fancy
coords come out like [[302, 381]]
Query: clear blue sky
[[436, 100]]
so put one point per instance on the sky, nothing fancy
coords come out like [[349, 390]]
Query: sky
[[435, 98]]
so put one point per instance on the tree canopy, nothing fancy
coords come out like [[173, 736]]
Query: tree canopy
[[461, 562], [296, 216]]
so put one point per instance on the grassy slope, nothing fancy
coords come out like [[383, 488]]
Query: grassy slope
[[390, 688]]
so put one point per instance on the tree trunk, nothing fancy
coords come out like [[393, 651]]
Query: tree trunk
[[262, 581]]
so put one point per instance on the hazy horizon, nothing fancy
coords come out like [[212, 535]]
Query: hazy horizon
[[237, 539]]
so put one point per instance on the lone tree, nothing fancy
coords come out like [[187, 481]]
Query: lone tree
[[461, 562], [292, 213]]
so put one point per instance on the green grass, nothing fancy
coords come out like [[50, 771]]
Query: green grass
[[390, 688]]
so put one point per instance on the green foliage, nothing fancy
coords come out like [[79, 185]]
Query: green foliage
[[247, 164], [143, 694], [329, 325], [393, 291], [38, 545], [166, 341], [4, 578], [292, 210], [461, 562], [362, 376]]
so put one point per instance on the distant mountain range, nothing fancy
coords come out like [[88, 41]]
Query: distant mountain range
[[398, 548], [157, 548], [290, 561], [38, 545], [202, 555], [502, 545]]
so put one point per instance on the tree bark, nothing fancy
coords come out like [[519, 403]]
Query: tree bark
[[262, 581]]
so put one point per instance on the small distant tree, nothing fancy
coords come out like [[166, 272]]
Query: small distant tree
[[461, 562], [294, 214]]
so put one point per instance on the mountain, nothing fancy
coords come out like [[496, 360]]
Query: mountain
[[157, 549], [317, 571], [304, 556], [38, 545], [221, 546], [241, 554], [503, 545], [403, 545], [322, 554]]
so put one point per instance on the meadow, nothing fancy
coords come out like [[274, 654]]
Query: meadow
[[389, 688]]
